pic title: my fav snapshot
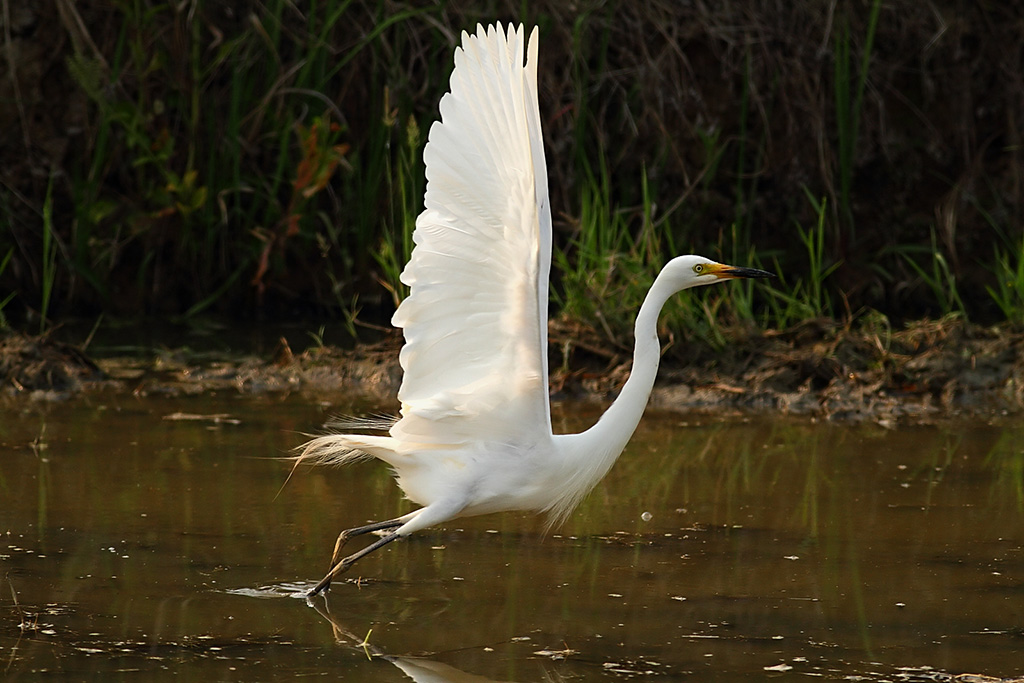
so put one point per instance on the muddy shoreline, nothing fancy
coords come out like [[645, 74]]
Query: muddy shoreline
[[929, 371]]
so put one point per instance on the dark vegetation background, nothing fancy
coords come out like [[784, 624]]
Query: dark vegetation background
[[262, 159]]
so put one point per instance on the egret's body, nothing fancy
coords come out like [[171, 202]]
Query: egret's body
[[475, 433]]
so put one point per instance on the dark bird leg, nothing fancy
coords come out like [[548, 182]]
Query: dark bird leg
[[435, 513], [343, 538], [344, 564], [345, 535]]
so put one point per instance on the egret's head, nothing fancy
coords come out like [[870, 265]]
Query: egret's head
[[693, 271]]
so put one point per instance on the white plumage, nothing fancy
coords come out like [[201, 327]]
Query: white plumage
[[479, 271], [475, 435]]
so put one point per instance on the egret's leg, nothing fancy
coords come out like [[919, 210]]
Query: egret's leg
[[342, 567], [434, 513], [345, 535]]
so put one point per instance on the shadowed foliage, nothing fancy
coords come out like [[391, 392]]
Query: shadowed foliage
[[258, 159]]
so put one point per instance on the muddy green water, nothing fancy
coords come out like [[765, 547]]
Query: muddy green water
[[141, 545]]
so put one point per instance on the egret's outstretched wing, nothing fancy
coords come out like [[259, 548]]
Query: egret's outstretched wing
[[475, 322]]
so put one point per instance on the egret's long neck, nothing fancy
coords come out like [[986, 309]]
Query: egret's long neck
[[616, 426], [588, 456]]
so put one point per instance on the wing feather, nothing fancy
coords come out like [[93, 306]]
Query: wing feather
[[475, 321]]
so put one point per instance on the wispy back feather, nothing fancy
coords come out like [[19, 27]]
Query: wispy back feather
[[342, 449]]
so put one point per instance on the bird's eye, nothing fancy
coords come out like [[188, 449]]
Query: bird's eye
[[698, 269]]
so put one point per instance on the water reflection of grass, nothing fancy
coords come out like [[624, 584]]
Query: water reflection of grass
[[805, 475], [725, 468], [859, 506], [865, 510], [1006, 459], [810, 530]]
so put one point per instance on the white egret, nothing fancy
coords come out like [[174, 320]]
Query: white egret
[[475, 436]]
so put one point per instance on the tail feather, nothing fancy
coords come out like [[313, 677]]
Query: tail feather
[[380, 422], [342, 449], [332, 449]]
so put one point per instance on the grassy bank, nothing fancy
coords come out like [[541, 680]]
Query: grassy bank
[[264, 160]]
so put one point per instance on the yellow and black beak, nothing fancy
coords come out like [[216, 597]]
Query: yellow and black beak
[[725, 272]]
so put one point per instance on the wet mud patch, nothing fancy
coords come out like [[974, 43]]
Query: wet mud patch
[[931, 369], [43, 367], [928, 370]]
